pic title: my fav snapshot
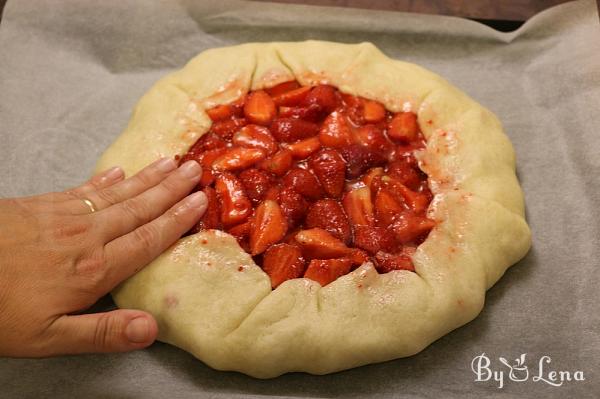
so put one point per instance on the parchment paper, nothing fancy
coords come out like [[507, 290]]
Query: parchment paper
[[71, 71]]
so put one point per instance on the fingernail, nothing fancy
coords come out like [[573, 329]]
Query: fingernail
[[166, 165], [138, 330], [190, 169], [195, 200], [113, 174]]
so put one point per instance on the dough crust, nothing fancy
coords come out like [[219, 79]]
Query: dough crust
[[210, 298]]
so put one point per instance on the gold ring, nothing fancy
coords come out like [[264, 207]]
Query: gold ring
[[89, 203]]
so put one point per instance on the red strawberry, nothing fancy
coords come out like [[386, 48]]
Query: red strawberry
[[256, 183], [292, 97], [326, 97], [406, 172], [254, 136], [293, 206], [209, 141], [318, 243], [411, 228], [359, 159], [370, 175], [283, 262], [206, 160], [328, 270], [228, 127], [241, 233], [235, 205], [304, 148], [373, 111], [354, 108], [260, 108], [359, 207], [329, 215], [387, 207], [304, 183], [237, 158], [273, 193], [330, 168], [312, 113], [373, 239], [385, 262], [220, 112], [268, 227], [404, 127], [279, 163], [282, 88], [335, 131], [210, 219], [358, 257], [373, 138], [418, 202], [290, 129]]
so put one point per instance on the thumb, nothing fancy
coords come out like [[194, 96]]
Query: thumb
[[120, 330]]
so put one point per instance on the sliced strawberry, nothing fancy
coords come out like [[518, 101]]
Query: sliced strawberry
[[367, 179], [256, 184], [411, 228], [293, 206], [282, 88], [354, 108], [279, 163], [359, 159], [260, 108], [273, 193], [418, 202], [359, 207], [358, 257], [335, 131], [210, 219], [404, 127], [320, 244], [329, 215], [373, 138], [255, 136], [235, 205], [330, 168], [292, 97], [327, 270], [386, 262], [241, 232], [237, 158], [304, 182], [373, 239], [228, 127], [311, 113], [326, 97], [406, 172], [209, 141], [304, 148], [373, 111], [220, 112], [206, 160], [290, 129], [387, 207], [283, 262], [268, 227]]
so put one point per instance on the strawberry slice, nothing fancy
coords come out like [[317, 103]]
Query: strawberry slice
[[293, 206], [256, 184], [404, 127], [260, 108], [282, 88], [406, 172], [304, 148], [335, 131], [268, 227], [273, 193], [367, 179], [283, 262], [303, 182], [290, 129], [210, 219], [206, 160], [237, 158], [359, 207], [373, 111], [228, 127], [411, 228], [330, 168], [387, 207], [292, 97], [359, 159], [418, 202], [279, 163], [220, 112], [373, 239], [354, 108], [311, 113], [255, 136], [358, 257], [235, 205], [320, 244], [373, 138], [209, 141], [241, 232], [385, 262], [326, 97], [329, 215], [325, 271]]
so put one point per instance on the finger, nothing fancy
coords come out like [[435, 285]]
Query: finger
[[98, 182], [126, 216], [120, 330], [128, 254], [145, 179]]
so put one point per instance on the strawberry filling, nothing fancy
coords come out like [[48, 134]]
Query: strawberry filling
[[313, 182]]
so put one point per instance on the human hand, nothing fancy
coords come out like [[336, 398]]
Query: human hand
[[57, 257]]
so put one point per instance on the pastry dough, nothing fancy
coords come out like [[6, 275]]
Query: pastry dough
[[209, 297]]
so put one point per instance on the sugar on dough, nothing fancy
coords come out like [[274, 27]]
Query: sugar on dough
[[212, 300]]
